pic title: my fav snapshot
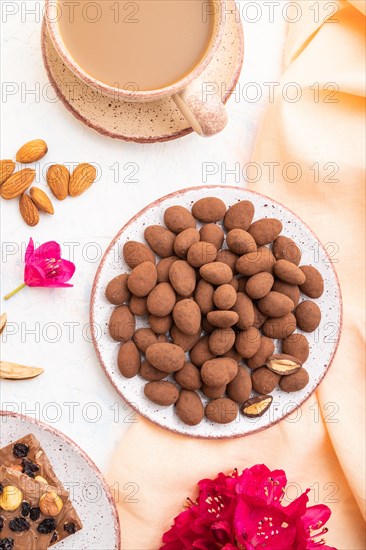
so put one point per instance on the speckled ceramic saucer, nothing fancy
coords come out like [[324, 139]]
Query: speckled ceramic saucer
[[323, 342], [142, 122], [88, 489]]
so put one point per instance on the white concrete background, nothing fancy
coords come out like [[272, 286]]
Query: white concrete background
[[49, 328]]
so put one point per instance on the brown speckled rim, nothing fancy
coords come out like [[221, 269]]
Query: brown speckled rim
[[50, 17], [131, 138], [113, 243], [79, 450]]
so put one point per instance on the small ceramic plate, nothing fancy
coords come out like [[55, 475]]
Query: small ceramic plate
[[88, 489], [147, 122], [323, 342]]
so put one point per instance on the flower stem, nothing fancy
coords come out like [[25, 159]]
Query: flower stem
[[20, 287]]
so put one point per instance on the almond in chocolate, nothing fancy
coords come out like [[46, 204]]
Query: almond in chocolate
[[264, 380], [177, 219], [295, 382], [239, 216], [221, 410], [221, 295], [212, 233], [308, 316], [209, 209], [314, 283], [189, 407], [283, 364], [257, 406], [184, 241], [296, 345]]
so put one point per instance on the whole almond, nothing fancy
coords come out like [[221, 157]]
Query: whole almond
[[81, 179], [17, 183], [58, 178], [32, 151], [7, 167], [28, 210], [41, 200]]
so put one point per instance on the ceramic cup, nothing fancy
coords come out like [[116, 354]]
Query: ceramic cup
[[204, 112]]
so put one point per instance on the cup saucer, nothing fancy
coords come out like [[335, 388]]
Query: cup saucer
[[143, 122]]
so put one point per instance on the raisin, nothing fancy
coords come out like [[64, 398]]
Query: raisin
[[18, 525], [1, 523], [34, 513], [54, 537], [20, 450], [6, 544], [70, 528], [1, 488], [25, 509], [29, 468], [47, 526]]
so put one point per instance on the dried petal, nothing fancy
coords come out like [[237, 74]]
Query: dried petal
[[3, 321], [12, 371]]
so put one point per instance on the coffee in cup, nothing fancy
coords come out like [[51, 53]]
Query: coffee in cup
[[139, 44]]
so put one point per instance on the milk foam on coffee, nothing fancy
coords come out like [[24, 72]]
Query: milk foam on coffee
[[137, 44]]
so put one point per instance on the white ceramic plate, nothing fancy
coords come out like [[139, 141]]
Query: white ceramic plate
[[323, 342], [88, 489]]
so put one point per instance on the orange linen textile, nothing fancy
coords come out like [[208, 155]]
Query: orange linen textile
[[327, 456]]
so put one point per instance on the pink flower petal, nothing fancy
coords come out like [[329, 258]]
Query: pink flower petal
[[34, 276], [222, 532], [29, 251], [297, 507], [65, 271], [316, 517], [256, 527], [262, 486], [201, 544], [51, 249]]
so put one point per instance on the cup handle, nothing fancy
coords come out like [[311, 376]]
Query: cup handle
[[207, 117]]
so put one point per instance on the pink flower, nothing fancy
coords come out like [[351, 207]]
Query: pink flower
[[245, 512], [44, 267]]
